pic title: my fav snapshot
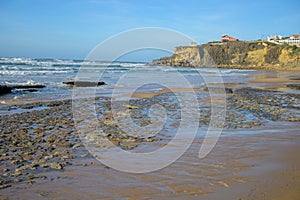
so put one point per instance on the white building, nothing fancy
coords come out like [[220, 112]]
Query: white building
[[274, 38], [292, 40]]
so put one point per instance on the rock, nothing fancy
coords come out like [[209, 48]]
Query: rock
[[27, 86], [5, 186], [83, 83], [31, 182], [44, 165], [55, 166], [219, 90], [246, 126], [293, 86], [228, 90], [48, 157], [149, 139], [43, 194], [84, 155], [6, 170], [76, 145], [17, 173], [25, 167], [4, 89], [17, 180], [131, 107], [66, 157], [29, 90], [296, 79]]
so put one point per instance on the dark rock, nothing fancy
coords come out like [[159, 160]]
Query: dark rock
[[228, 90], [4, 186], [83, 83], [296, 79], [293, 86], [29, 90], [6, 170], [26, 88], [4, 89]]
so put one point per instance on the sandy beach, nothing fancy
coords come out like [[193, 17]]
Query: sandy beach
[[252, 164], [255, 158]]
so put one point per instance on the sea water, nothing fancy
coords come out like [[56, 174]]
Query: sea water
[[53, 72]]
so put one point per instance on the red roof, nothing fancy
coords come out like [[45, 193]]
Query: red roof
[[228, 38], [296, 35]]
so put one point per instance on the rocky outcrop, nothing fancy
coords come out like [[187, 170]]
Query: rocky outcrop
[[188, 56], [4, 89], [83, 83], [238, 54], [28, 88]]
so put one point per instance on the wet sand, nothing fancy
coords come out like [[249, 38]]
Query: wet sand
[[166, 90], [277, 174], [258, 162], [276, 80], [249, 164]]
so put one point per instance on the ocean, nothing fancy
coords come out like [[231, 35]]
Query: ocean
[[53, 72]]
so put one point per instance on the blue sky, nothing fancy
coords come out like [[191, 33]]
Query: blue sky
[[70, 29]]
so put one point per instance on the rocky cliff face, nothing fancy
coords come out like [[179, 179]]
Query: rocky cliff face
[[261, 55]]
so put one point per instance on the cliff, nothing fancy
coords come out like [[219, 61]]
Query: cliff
[[254, 55]]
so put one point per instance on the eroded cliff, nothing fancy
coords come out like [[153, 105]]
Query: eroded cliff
[[262, 55]]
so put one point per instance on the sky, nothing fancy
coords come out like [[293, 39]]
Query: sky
[[71, 29]]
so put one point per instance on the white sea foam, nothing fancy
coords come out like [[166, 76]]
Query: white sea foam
[[52, 72], [63, 62]]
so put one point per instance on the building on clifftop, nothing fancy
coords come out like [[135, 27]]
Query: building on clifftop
[[292, 40], [226, 38]]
